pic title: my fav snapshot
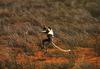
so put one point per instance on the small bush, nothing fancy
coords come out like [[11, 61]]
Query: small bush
[[13, 65], [55, 66], [87, 66]]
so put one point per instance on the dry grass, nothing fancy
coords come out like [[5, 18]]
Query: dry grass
[[75, 22]]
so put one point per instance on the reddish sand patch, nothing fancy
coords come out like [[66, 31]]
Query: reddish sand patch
[[3, 58], [84, 54], [56, 60], [38, 54]]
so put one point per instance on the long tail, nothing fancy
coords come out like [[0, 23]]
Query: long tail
[[60, 48]]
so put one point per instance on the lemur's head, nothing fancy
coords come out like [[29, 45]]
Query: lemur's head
[[44, 28]]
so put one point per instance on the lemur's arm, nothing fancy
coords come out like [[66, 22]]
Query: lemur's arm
[[44, 31]]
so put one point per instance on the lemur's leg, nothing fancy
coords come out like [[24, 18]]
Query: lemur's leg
[[50, 38], [43, 42], [44, 45]]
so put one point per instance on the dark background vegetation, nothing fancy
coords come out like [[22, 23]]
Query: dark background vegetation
[[76, 24]]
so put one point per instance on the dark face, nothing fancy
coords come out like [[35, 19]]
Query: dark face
[[49, 27], [44, 28]]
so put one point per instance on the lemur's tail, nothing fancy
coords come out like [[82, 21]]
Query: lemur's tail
[[60, 48]]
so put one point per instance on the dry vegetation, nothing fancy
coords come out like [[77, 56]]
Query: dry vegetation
[[76, 24]]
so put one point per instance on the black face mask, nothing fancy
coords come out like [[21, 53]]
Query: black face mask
[[44, 28]]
